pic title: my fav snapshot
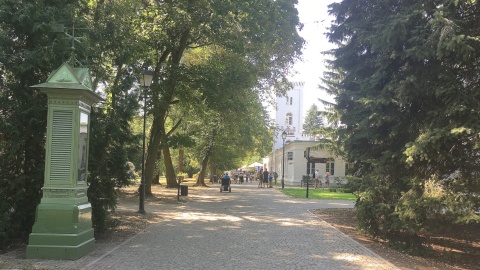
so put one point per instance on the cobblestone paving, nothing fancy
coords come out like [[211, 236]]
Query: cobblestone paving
[[250, 228]]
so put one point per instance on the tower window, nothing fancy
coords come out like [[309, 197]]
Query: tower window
[[289, 119], [291, 101]]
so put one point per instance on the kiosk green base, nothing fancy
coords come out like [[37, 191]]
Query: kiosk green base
[[62, 232]]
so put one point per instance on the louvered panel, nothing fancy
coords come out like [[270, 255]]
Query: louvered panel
[[61, 147]]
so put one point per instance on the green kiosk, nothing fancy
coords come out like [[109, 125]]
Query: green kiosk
[[63, 222]]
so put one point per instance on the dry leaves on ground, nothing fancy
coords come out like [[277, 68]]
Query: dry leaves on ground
[[457, 249]]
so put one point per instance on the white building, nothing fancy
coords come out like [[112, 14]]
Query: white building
[[289, 118], [296, 165], [289, 115]]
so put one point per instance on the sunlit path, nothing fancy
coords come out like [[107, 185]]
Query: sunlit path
[[250, 228]]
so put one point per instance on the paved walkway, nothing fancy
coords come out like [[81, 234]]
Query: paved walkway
[[250, 228]]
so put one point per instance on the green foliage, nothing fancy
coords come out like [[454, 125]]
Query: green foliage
[[111, 145], [313, 121], [28, 53], [405, 80], [180, 140], [339, 181], [353, 184], [215, 55], [151, 33]]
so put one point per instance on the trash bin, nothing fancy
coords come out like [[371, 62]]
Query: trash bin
[[184, 190]]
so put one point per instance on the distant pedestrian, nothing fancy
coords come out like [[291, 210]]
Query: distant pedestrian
[[327, 179], [316, 176], [260, 178], [265, 177]]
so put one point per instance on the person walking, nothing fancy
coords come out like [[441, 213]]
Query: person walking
[[260, 178], [327, 179], [265, 177], [316, 176], [270, 180]]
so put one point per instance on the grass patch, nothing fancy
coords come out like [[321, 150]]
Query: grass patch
[[318, 194]]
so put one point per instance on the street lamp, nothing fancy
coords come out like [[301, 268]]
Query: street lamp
[[145, 81], [284, 136]]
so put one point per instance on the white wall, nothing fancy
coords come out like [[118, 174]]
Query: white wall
[[296, 168], [296, 109]]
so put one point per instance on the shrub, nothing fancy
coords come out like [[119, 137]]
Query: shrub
[[353, 184]]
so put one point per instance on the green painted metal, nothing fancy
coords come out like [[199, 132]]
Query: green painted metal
[[63, 223]]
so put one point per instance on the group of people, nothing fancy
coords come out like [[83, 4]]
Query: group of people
[[265, 179], [239, 177], [318, 180]]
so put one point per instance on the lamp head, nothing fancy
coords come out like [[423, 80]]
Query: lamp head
[[284, 135], [146, 78]]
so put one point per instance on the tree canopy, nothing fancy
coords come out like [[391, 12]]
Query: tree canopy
[[313, 121], [405, 76], [211, 60]]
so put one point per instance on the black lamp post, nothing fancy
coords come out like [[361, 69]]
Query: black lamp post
[[145, 81], [284, 136]]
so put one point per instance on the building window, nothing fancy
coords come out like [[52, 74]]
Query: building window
[[310, 168], [290, 155], [331, 167], [291, 101], [348, 168], [289, 119]]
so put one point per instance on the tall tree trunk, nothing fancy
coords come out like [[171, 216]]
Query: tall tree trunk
[[208, 152], [152, 152], [212, 171], [180, 160], [158, 170], [169, 171], [203, 169]]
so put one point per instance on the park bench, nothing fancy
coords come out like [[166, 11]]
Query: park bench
[[311, 182]]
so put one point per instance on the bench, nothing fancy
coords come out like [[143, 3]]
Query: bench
[[311, 182]]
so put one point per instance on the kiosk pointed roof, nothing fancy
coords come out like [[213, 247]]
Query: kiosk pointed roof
[[68, 77]]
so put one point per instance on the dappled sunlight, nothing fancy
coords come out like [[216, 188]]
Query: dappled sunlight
[[347, 257], [320, 203], [252, 218], [231, 226], [194, 236], [231, 218], [192, 216], [293, 201], [362, 261], [289, 222], [208, 199]]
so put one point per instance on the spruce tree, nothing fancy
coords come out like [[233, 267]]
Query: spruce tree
[[404, 74]]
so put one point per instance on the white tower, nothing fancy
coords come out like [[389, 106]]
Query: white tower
[[289, 115]]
